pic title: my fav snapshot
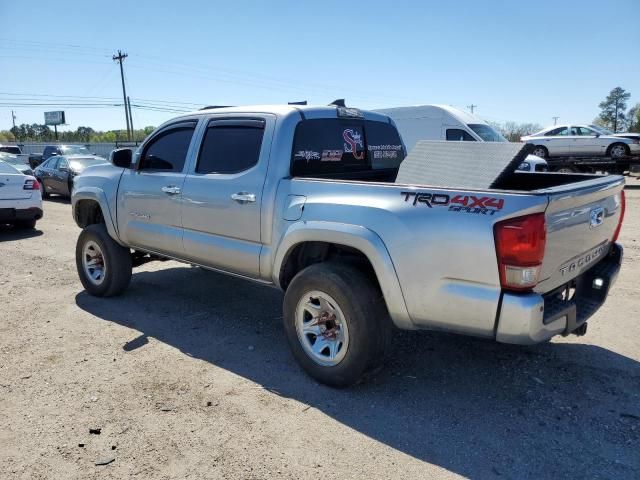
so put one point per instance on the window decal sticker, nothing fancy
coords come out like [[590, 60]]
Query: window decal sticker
[[353, 140]]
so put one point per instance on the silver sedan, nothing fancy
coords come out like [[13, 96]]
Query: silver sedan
[[579, 140]]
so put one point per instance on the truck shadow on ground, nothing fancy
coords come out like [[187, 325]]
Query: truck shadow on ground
[[474, 407]]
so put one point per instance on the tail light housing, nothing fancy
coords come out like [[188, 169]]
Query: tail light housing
[[623, 205], [31, 184], [520, 246]]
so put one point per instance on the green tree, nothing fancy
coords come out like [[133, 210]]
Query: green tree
[[612, 109], [633, 118]]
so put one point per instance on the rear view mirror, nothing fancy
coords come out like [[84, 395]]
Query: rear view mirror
[[121, 157]]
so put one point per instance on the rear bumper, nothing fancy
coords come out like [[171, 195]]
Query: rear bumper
[[532, 318], [13, 214]]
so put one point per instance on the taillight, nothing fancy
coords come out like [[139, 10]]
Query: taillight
[[623, 203], [31, 184], [520, 245]]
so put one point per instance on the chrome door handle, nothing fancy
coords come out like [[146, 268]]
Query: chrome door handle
[[171, 190], [244, 197]]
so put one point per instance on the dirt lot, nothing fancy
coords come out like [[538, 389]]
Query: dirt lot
[[188, 376]]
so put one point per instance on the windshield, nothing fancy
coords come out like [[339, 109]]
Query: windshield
[[86, 162], [75, 150], [600, 129], [486, 133]]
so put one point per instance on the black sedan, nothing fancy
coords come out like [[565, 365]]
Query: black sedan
[[56, 173]]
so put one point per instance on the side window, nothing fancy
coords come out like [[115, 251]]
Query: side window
[[62, 163], [168, 150], [586, 132], [562, 131], [230, 146], [53, 163], [459, 135]]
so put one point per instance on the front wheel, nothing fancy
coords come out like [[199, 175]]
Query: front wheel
[[336, 323], [104, 266], [618, 150]]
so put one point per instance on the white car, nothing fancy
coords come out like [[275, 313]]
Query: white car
[[20, 199], [579, 141], [444, 122]]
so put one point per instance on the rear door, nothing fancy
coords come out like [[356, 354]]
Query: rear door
[[150, 193], [222, 194], [581, 220], [556, 141], [45, 174]]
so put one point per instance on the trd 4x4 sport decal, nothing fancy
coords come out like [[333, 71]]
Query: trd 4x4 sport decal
[[459, 203]]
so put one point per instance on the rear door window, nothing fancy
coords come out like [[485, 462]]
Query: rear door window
[[337, 147], [230, 146]]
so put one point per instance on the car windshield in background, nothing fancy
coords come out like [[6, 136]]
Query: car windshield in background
[[602, 130], [486, 133], [86, 162], [15, 150], [75, 150]]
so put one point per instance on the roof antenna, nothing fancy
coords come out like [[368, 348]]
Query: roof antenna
[[338, 103]]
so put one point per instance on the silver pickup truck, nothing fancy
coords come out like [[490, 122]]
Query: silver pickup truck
[[305, 199]]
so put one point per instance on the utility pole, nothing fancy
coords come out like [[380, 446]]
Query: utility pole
[[555, 120], [130, 117], [120, 58], [471, 107], [13, 118]]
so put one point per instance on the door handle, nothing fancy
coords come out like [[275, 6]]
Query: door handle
[[171, 190], [244, 197]]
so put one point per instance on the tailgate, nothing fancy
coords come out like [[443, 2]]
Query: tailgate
[[581, 221]]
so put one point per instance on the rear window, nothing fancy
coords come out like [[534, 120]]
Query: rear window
[[14, 150], [345, 148]]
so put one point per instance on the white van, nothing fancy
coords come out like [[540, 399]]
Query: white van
[[443, 122]]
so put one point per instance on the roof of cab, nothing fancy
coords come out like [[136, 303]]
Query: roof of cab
[[284, 110]]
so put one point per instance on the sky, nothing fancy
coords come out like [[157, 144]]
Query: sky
[[517, 61]]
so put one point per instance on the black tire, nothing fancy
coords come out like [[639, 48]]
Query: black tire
[[365, 314], [26, 224], [540, 151], [625, 149], [116, 258], [43, 192]]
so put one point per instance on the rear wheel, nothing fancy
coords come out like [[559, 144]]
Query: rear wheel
[[336, 323], [104, 266], [618, 150], [566, 169], [540, 151], [43, 191]]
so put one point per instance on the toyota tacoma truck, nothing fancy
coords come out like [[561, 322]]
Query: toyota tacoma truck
[[305, 199]]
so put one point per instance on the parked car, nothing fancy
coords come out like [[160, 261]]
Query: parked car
[[56, 174], [14, 149], [444, 122], [305, 199], [20, 200], [579, 141], [17, 162]]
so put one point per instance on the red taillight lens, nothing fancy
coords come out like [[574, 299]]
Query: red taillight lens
[[623, 205], [31, 184], [520, 246]]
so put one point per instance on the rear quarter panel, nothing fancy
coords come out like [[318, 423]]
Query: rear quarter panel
[[444, 257]]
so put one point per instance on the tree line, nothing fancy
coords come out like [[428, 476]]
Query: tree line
[[43, 133], [613, 116]]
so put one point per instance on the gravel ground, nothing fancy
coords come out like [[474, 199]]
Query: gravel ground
[[188, 375]]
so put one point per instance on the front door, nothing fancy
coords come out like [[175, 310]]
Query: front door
[[150, 203], [222, 194], [586, 142]]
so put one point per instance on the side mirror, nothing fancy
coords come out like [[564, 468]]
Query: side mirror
[[121, 157]]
